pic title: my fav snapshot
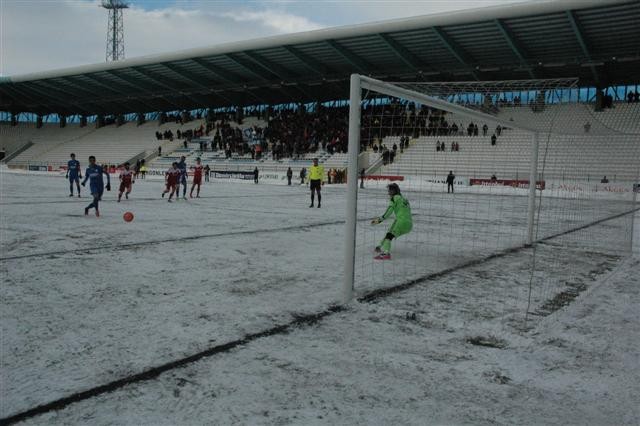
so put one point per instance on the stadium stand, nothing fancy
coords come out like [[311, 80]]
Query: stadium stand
[[38, 141], [599, 154], [476, 158], [110, 144]]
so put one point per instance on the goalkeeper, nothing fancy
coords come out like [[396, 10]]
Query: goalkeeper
[[401, 225]]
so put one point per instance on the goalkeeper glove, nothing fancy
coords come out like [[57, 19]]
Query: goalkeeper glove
[[83, 183], [376, 221]]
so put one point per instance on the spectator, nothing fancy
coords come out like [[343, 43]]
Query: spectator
[[303, 175], [450, 180], [494, 178], [493, 139], [207, 171], [289, 176], [255, 175], [329, 176], [184, 143], [362, 175], [437, 146], [498, 130], [608, 101], [485, 129], [475, 130], [159, 151], [630, 96], [604, 180], [587, 127], [453, 146]]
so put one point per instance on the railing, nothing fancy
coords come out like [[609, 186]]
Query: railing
[[17, 152]]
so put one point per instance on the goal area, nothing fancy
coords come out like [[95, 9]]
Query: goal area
[[491, 170]]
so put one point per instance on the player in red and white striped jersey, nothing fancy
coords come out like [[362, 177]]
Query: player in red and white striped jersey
[[171, 177], [197, 178], [126, 180]]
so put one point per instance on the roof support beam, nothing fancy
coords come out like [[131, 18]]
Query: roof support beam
[[515, 46], [249, 68], [137, 82], [74, 89], [97, 82], [17, 93], [579, 33], [193, 79], [402, 53], [270, 66], [128, 96], [453, 48], [280, 72], [52, 97], [310, 63], [354, 60], [155, 79], [220, 73], [43, 85]]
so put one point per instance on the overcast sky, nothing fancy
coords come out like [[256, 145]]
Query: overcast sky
[[39, 35]]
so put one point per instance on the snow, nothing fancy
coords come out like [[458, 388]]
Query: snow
[[87, 300]]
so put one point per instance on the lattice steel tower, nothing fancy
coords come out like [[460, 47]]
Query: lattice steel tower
[[115, 29]]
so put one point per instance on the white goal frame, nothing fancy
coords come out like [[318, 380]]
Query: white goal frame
[[359, 83]]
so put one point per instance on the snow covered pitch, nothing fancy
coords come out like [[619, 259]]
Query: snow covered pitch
[[86, 301]]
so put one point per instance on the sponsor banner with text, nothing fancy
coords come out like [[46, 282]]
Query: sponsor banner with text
[[519, 183]]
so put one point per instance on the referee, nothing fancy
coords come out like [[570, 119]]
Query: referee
[[316, 176]]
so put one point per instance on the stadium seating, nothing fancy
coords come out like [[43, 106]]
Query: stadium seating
[[603, 150], [568, 157], [110, 144], [44, 139]]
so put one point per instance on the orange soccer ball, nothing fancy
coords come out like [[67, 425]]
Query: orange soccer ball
[[128, 217]]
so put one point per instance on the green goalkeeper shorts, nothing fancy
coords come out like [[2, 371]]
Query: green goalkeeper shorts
[[400, 228]]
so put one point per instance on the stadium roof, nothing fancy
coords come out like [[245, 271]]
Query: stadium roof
[[595, 40]]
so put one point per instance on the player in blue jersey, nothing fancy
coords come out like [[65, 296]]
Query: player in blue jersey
[[96, 184], [182, 166], [73, 174]]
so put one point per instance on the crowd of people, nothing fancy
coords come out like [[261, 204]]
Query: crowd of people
[[294, 132]]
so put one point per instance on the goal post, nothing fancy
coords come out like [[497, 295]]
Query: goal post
[[359, 83], [352, 187], [529, 164]]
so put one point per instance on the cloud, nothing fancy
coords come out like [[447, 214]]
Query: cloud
[[280, 22], [38, 35]]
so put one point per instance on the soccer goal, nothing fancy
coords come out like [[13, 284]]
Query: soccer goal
[[488, 169]]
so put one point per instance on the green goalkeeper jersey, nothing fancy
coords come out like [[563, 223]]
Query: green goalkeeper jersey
[[401, 208]]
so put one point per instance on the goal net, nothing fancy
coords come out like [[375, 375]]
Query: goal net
[[514, 184]]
